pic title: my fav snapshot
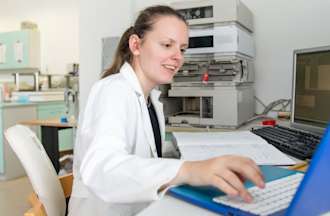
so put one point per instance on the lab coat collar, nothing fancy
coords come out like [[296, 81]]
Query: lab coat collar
[[131, 77], [129, 73]]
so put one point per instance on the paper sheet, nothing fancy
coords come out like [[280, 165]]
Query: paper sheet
[[204, 145]]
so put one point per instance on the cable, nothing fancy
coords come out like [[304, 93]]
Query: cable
[[272, 105], [258, 100]]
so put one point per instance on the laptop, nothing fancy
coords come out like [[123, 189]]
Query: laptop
[[311, 196]]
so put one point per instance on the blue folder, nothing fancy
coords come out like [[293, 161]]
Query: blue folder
[[202, 196]]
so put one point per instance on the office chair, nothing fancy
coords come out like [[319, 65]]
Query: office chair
[[48, 198]]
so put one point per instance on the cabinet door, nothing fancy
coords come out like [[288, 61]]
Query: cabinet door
[[10, 166], [2, 162], [57, 110], [19, 49]]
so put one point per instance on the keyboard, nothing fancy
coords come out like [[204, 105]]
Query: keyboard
[[293, 142], [275, 197]]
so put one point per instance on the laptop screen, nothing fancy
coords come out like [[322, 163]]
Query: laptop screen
[[311, 89], [313, 194]]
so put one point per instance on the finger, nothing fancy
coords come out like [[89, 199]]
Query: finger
[[252, 163], [258, 174], [224, 186], [250, 171], [241, 177], [257, 168], [255, 176], [232, 179]]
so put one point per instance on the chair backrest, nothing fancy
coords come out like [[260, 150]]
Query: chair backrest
[[38, 167]]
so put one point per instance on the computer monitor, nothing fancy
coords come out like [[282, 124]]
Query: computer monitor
[[311, 89]]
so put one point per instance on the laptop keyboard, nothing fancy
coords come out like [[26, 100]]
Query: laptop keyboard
[[276, 196]]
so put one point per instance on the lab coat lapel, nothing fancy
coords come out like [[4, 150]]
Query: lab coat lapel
[[154, 95], [130, 76], [148, 127]]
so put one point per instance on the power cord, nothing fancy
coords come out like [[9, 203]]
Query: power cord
[[272, 105]]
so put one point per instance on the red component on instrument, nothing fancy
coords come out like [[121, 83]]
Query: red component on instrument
[[205, 77], [270, 122]]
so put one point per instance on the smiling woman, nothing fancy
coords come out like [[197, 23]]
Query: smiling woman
[[118, 165]]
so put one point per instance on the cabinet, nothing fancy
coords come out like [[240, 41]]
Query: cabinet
[[20, 50], [10, 166], [56, 110]]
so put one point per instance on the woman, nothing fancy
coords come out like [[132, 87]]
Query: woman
[[118, 169]]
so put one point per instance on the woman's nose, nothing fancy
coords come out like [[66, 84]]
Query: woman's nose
[[178, 55]]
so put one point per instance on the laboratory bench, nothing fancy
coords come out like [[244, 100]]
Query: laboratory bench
[[50, 133], [12, 113]]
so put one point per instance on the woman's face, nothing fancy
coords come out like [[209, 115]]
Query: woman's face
[[159, 55]]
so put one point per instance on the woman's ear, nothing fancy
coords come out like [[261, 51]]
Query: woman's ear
[[134, 43]]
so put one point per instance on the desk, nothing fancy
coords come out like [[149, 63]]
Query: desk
[[169, 205], [175, 207], [49, 136]]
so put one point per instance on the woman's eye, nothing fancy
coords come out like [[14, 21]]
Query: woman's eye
[[167, 45], [183, 50]]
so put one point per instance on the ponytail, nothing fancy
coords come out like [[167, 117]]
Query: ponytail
[[122, 55]]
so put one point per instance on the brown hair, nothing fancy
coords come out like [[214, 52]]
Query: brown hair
[[143, 24]]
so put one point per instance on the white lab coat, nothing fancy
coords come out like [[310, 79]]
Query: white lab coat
[[116, 169]]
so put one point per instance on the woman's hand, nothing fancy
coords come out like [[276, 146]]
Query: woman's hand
[[226, 173]]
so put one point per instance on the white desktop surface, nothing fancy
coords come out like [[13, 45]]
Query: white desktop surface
[[175, 207]]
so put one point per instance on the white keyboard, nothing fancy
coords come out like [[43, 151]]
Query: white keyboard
[[276, 196]]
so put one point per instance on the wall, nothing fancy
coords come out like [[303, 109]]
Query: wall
[[58, 25], [280, 27], [96, 22]]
